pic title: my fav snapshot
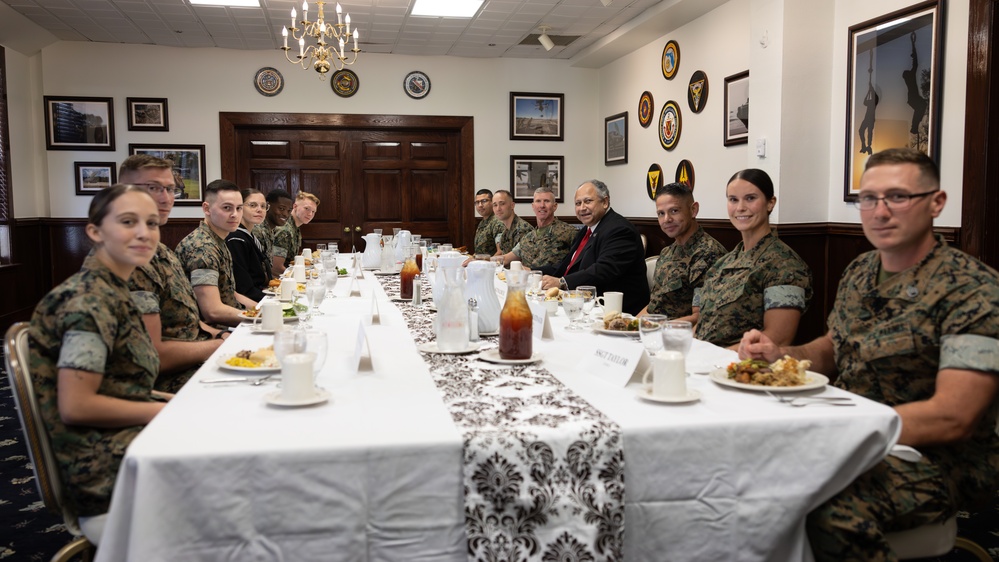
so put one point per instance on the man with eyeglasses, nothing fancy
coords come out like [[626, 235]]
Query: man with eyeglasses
[[161, 291], [207, 259], [489, 227], [288, 238], [279, 209], [915, 326]]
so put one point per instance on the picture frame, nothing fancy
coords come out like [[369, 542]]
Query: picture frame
[[147, 114], [189, 167], [92, 177], [893, 87], [79, 123], [535, 116], [616, 139], [735, 119], [528, 173]]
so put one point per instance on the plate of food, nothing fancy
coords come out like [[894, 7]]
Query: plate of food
[[784, 375], [248, 361], [617, 324], [290, 311]]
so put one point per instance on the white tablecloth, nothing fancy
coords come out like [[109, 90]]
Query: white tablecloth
[[376, 473]]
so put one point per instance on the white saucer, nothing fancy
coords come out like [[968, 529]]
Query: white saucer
[[486, 334], [386, 273], [692, 396], [431, 347], [257, 329], [493, 356], [275, 399]]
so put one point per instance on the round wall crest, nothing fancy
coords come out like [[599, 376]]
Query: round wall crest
[[345, 83], [697, 91], [268, 81], [416, 84], [669, 125], [685, 173], [646, 109], [654, 180], [671, 59]]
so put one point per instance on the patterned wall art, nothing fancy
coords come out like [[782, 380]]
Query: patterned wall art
[[670, 124], [685, 173], [671, 59], [646, 109], [697, 91], [653, 180], [345, 83], [268, 81]]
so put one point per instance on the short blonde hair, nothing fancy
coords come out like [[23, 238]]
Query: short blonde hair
[[307, 195]]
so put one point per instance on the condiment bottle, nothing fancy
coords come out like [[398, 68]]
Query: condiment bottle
[[516, 322]]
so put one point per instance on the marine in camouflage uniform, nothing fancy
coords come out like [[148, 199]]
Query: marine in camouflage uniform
[[546, 245], [742, 286], [89, 323], [207, 260], [511, 236], [680, 270], [485, 235], [890, 340], [287, 242], [264, 232], [161, 287]]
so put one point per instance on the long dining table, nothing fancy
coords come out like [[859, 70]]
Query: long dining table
[[414, 456]]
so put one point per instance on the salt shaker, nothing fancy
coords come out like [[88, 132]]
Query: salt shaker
[[473, 320], [417, 294]]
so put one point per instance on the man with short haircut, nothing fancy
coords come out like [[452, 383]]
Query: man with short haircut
[[549, 241], [514, 227], [288, 238], [681, 266], [161, 291], [607, 253], [278, 210], [915, 326], [206, 257], [489, 227]]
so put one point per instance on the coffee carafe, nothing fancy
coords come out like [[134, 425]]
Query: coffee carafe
[[371, 258]]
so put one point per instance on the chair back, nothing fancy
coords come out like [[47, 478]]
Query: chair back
[[650, 269], [15, 348]]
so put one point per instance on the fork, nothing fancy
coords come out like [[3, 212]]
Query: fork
[[262, 380], [802, 401]]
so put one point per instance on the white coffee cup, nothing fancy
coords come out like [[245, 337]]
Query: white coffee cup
[[288, 288], [296, 377], [612, 301], [516, 266], [270, 315], [306, 255], [298, 272], [299, 260], [669, 375]]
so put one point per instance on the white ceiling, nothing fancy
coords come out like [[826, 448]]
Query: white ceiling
[[385, 26]]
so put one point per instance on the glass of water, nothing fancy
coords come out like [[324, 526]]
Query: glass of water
[[589, 293], [288, 341], [317, 342], [678, 335], [315, 291], [650, 328], [572, 304], [320, 248], [330, 277]]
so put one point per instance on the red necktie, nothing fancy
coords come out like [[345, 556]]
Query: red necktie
[[579, 251]]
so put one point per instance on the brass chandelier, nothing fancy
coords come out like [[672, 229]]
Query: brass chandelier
[[322, 55]]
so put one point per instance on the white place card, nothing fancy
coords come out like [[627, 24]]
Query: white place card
[[615, 360], [375, 316], [355, 286], [542, 325], [362, 351]]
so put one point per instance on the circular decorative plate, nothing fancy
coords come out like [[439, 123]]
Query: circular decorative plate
[[685, 173], [697, 91], [671, 59], [416, 84], [268, 81], [654, 180], [669, 125], [646, 109], [345, 83]]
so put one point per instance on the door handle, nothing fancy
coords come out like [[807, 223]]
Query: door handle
[[357, 229], [346, 229]]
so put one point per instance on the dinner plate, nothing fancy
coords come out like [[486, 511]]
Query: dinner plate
[[252, 318], [493, 356], [645, 393], [598, 327], [431, 347], [386, 273], [271, 293], [813, 381], [259, 370], [275, 399]]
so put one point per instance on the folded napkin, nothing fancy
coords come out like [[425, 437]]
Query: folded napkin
[[905, 452]]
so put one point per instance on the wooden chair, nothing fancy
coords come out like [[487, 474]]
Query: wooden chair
[[650, 269], [43, 461], [933, 540]]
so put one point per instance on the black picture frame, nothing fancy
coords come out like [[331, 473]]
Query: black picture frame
[[616, 139], [92, 177], [189, 167], [528, 173], [147, 114], [893, 87], [79, 123], [735, 116], [535, 116]]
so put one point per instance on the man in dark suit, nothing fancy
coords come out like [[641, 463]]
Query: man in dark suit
[[606, 253]]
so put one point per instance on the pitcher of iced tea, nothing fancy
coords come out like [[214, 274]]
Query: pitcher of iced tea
[[408, 273], [516, 328]]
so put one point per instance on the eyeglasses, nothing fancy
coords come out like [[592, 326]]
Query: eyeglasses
[[895, 201], [481, 201], [265, 206], [154, 188]]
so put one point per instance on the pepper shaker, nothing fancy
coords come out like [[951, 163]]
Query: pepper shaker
[[473, 320], [417, 291]]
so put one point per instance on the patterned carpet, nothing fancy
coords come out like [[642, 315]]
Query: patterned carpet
[[29, 532]]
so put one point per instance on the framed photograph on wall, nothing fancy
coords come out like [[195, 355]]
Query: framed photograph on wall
[[75, 123], [616, 139], [188, 168], [528, 173], [91, 177], [736, 118], [537, 116], [893, 87], [147, 114]]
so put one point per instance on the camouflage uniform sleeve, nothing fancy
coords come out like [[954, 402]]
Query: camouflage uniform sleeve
[[204, 264], [146, 301], [969, 351], [282, 241], [789, 283], [88, 334]]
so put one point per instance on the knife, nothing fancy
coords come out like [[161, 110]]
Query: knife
[[227, 379]]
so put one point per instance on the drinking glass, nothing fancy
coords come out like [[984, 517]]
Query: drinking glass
[[572, 304], [589, 293], [650, 328], [316, 341], [334, 249], [377, 231], [396, 231], [288, 341], [678, 335], [320, 248], [534, 285], [330, 277], [315, 291]]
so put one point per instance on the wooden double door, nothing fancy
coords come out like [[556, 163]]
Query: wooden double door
[[367, 171]]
